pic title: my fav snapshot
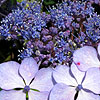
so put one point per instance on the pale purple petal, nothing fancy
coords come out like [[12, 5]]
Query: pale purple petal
[[12, 95], [9, 77], [62, 92], [61, 75], [87, 96], [92, 80], [43, 80], [34, 95], [77, 73], [28, 69], [85, 58], [98, 49]]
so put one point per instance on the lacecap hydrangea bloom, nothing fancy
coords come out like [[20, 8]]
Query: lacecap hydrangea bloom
[[51, 37], [18, 80], [87, 57], [73, 84]]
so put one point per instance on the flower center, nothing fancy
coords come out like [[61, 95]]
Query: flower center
[[26, 88], [79, 87]]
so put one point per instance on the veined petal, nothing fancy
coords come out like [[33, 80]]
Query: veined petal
[[62, 92], [28, 69], [12, 95], [92, 80], [61, 75], [9, 77], [34, 95], [85, 58], [87, 96], [77, 73], [43, 80]]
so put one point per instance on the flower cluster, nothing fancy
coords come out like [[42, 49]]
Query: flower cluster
[[52, 38], [91, 1], [23, 22], [95, 1], [78, 82]]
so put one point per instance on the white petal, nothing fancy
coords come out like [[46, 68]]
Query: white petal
[[33, 95], [61, 75], [62, 92], [9, 77], [87, 96], [43, 80], [86, 57], [12, 95], [92, 80], [28, 69], [98, 48], [77, 73]]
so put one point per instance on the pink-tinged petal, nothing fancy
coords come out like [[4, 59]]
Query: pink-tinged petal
[[9, 77], [62, 92], [34, 95], [28, 69], [43, 80], [61, 75], [77, 73], [92, 80], [87, 96], [85, 58], [12, 95]]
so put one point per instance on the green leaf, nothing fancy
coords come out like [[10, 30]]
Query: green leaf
[[12, 2], [19, 1], [50, 2], [0, 89], [8, 58]]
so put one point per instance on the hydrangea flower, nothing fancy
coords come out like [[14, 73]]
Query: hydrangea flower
[[87, 57], [26, 78], [51, 37], [73, 84]]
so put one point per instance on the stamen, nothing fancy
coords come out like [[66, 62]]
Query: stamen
[[79, 87], [26, 89]]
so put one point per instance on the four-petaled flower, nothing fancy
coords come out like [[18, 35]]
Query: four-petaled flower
[[17, 80], [72, 84]]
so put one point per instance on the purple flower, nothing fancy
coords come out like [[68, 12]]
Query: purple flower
[[71, 81], [50, 45], [95, 1], [26, 77], [53, 30], [45, 32], [46, 38], [87, 57]]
